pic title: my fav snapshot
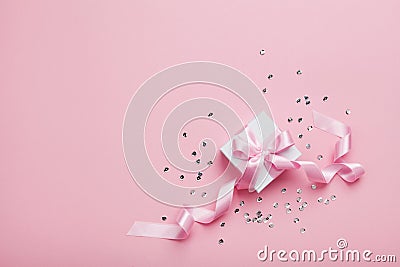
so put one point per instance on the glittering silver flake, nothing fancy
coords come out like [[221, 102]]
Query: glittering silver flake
[[164, 218], [298, 100], [192, 192], [241, 203], [254, 219], [184, 135], [198, 161], [333, 197], [259, 213], [266, 219], [326, 202], [296, 220], [319, 157], [198, 178], [166, 169], [308, 102], [299, 191], [313, 186], [275, 205], [221, 241], [265, 90], [204, 144], [246, 215], [302, 230], [260, 220], [290, 119], [300, 120], [283, 190], [199, 174], [269, 216], [300, 136], [182, 177], [305, 204], [262, 52], [325, 99], [259, 199], [222, 224], [204, 194], [320, 199], [306, 97], [210, 162], [271, 225], [298, 200], [270, 76], [301, 208], [248, 220], [299, 72], [194, 153], [348, 111], [287, 205], [236, 210], [210, 114], [289, 210], [309, 128], [308, 146]]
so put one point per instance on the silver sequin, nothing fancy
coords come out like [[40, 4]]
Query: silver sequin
[[305, 204], [248, 220], [313, 186], [271, 225], [309, 128], [320, 199], [210, 114], [296, 220], [300, 120], [283, 190], [300, 136], [166, 169], [241, 203], [287, 205], [299, 191], [308, 146], [221, 241], [194, 153], [289, 210], [262, 52], [192, 192], [302, 230], [299, 72], [164, 218], [222, 224], [301, 208], [326, 202], [265, 90], [182, 177], [298, 100], [275, 205], [204, 144], [348, 111], [259, 199], [236, 210], [333, 197], [270, 76], [319, 157], [325, 99], [246, 215], [204, 194], [298, 200], [184, 135], [290, 119], [198, 161]]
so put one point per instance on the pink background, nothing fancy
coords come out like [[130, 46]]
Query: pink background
[[69, 68]]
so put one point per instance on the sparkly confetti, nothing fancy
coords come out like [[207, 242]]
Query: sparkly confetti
[[221, 241], [325, 99], [182, 177], [301, 208], [319, 157], [254, 219], [265, 90], [305, 204], [271, 225], [296, 220], [222, 224], [260, 220], [348, 111], [262, 52], [248, 220], [333, 197], [308, 102], [300, 120], [309, 128], [210, 114], [192, 192], [210, 162], [246, 215], [269, 216], [298, 100], [289, 210], [302, 230], [204, 194], [290, 119], [275, 205], [283, 190], [299, 191], [198, 178], [204, 144], [306, 97], [270, 76], [299, 72], [199, 174], [194, 153], [300, 136], [313, 186], [198, 161], [320, 200], [164, 218], [241, 203], [266, 219], [298, 200], [259, 213], [308, 146], [287, 205], [166, 169], [184, 135], [236, 210], [259, 199], [326, 202]]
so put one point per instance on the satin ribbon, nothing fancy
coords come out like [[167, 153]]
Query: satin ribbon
[[251, 151]]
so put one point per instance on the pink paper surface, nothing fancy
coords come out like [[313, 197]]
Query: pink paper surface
[[69, 68]]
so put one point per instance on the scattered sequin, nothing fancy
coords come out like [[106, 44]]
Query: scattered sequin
[[262, 52], [270, 76], [289, 210], [296, 220], [287, 205], [299, 191], [222, 224], [309, 128], [298, 200], [199, 174], [348, 111], [283, 190], [164, 218], [266, 219], [326, 202], [298, 100], [300, 120], [301, 208], [302, 230], [269, 216], [260, 220], [248, 220], [308, 102], [198, 161], [319, 157], [210, 114], [194, 153], [271, 225], [198, 178], [320, 200], [204, 194], [236, 210], [241, 203], [275, 205], [308, 146], [182, 177], [333, 197], [305, 204], [210, 162], [204, 144], [300, 136], [299, 72], [166, 169], [184, 135], [254, 219], [265, 90], [246, 215], [192, 192], [306, 97], [259, 199], [313, 186], [259, 213], [325, 99], [221, 241], [290, 119]]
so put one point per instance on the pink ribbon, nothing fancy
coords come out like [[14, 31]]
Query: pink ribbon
[[251, 151]]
